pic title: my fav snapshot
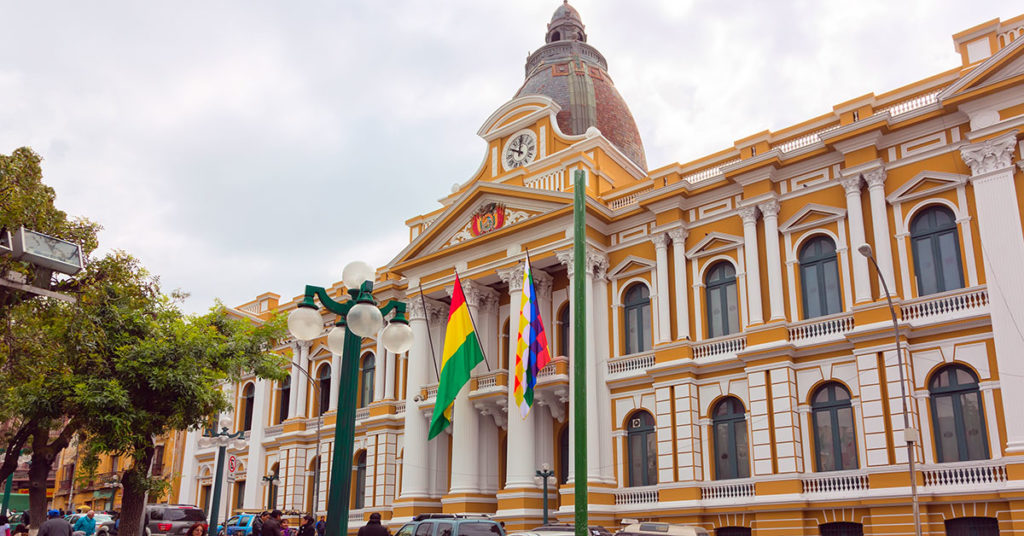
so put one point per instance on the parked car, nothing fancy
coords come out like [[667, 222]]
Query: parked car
[[451, 525], [560, 529], [102, 520], [172, 519], [661, 529], [241, 526]]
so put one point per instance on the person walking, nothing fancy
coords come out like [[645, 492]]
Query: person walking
[[272, 525], [307, 527], [257, 524], [86, 524], [321, 526], [55, 525], [373, 527]]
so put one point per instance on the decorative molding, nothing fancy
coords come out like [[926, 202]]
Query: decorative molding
[[478, 295], [513, 276], [434, 309], [678, 235], [800, 220], [924, 184], [510, 217], [713, 243], [769, 208], [851, 184], [597, 263], [875, 178], [748, 214], [990, 155], [660, 240]]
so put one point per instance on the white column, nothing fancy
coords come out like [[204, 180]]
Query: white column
[[601, 399], [855, 216], [880, 225], [520, 461], [678, 236], [254, 468], [389, 376], [1000, 225], [661, 256], [335, 381], [297, 379], [773, 259], [753, 268], [381, 369], [416, 466]]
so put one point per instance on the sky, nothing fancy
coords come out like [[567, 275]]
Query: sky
[[242, 147]]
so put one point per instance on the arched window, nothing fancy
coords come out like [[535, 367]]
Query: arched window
[[248, 395], [819, 277], [972, 526], [366, 391], [324, 384], [722, 308], [841, 528], [637, 311], [284, 392], [312, 484], [642, 447], [936, 248], [957, 416], [564, 328], [835, 440], [359, 497], [730, 434]]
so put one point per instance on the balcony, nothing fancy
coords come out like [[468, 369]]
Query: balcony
[[962, 476], [821, 329], [636, 364], [727, 489], [644, 495], [835, 482], [727, 346], [362, 414], [946, 306], [400, 407], [275, 430]]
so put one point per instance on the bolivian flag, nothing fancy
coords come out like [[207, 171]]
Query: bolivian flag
[[462, 352]]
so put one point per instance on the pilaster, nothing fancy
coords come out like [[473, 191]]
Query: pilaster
[[880, 225], [755, 315], [678, 236], [661, 241], [773, 259], [855, 217]]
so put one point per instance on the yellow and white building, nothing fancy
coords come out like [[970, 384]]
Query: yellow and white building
[[742, 369]]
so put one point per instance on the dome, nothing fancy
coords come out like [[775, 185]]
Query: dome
[[575, 75]]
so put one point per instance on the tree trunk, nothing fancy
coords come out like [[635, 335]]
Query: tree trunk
[[44, 453], [133, 499]]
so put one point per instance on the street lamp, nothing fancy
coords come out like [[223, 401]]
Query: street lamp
[[545, 477], [910, 435], [272, 481], [362, 318], [221, 439], [112, 484]]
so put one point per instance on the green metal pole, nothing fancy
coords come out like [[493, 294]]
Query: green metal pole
[[545, 500], [7, 494], [579, 375], [222, 451], [344, 439]]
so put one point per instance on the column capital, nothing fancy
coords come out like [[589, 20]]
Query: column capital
[[597, 263], [749, 214], [478, 295], [420, 308], [990, 155], [303, 345], [770, 208], [660, 240], [513, 276], [875, 178], [678, 235], [851, 184]]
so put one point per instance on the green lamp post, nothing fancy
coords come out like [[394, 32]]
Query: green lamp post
[[362, 318], [271, 481], [545, 476], [221, 439]]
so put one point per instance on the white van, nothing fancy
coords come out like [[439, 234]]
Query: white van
[[661, 529]]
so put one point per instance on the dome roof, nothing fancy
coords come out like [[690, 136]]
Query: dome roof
[[575, 75]]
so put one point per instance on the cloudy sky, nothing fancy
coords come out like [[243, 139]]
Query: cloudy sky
[[252, 146]]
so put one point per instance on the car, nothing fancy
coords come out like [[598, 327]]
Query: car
[[239, 525], [451, 525], [560, 529], [661, 529], [172, 519], [102, 520]]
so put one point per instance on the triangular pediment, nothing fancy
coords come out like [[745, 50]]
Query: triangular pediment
[[482, 211], [924, 184], [1003, 65], [812, 215], [631, 265], [713, 243]]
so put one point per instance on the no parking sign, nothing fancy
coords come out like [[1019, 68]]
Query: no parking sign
[[232, 464]]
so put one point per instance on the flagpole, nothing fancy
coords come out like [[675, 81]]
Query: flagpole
[[469, 310], [430, 339], [579, 374]]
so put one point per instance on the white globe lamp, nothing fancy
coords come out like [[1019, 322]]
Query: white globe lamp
[[336, 340], [364, 319], [305, 323], [356, 273]]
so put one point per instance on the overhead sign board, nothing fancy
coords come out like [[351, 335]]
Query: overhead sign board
[[46, 251]]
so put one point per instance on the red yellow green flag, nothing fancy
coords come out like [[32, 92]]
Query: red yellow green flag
[[461, 353]]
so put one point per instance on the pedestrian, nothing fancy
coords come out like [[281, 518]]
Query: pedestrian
[[257, 524], [25, 519], [5, 526], [307, 528], [373, 527], [86, 524], [55, 525], [321, 526], [272, 525], [197, 529], [20, 529], [285, 529]]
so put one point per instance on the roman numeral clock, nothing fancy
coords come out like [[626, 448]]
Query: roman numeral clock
[[520, 150]]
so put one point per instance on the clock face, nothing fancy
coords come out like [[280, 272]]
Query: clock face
[[520, 150]]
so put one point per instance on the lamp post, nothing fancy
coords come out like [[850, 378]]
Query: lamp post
[[909, 434], [544, 477], [362, 318], [112, 484], [271, 480], [221, 439]]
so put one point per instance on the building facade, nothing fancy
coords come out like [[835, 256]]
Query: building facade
[[742, 361]]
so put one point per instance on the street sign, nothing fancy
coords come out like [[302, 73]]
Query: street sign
[[232, 464]]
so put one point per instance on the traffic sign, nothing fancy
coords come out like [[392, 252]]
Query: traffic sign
[[232, 464]]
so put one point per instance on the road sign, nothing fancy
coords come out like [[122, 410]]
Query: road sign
[[232, 464]]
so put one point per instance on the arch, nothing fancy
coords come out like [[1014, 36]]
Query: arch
[[798, 243], [928, 203], [555, 36], [703, 269], [323, 381], [972, 526], [834, 431], [935, 248], [248, 404], [957, 415], [820, 287], [729, 435], [359, 480], [636, 318], [721, 299], [284, 392], [641, 449], [312, 483], [564, 328], [367, 366], [629, 283]]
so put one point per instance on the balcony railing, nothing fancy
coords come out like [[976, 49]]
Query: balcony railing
[[400, 407], [949, 303], [965, 474], [552, 180], [271, 431], [362, 413], [720, 346], [432, 391], [548, 370], [727, 490], [821, 328], [488, 380], [644, 495], [838, 482], [631, 363]]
